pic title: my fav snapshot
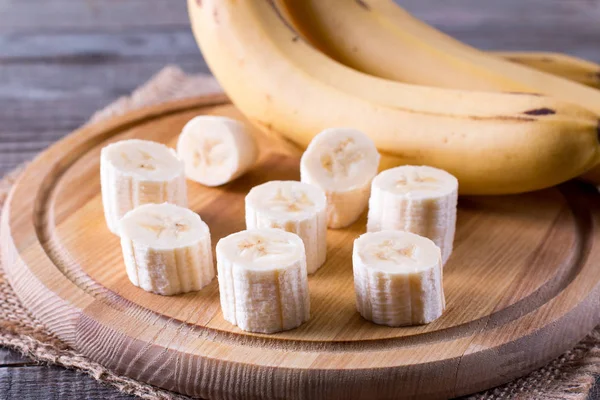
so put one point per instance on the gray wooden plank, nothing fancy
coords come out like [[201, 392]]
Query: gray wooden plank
[[95, 48], [595, 393], [77, 81], [546, 25], [53, 81], [22, 136], [90, 48], [62, 92], [530, 25], [13, 359], [40, 102], [581, 43], [118, 16], [42, 382], [507, 12], [90, 15], [14, 154]]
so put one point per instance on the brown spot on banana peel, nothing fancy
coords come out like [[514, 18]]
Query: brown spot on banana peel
[[540, 111], [363, 4], [527, 94], [508, 118], [199, 3]]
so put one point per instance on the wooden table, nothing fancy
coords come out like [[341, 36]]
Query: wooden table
[[62, 60]]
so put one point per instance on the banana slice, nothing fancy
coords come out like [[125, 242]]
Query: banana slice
[[166, 249], [342, 162], [398, 278], [135, 172], [216, 149], [262, 280], [295, 207], [420, 200]]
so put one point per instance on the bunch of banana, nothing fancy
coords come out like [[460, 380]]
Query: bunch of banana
[[390, 43], [380, 38], [492, 142]]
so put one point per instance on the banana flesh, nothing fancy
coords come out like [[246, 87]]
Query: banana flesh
[[342, 162], [135, 172], [295, 207], [166, 249], [216, 149], [398, 278], [262, 280], [417, 199]]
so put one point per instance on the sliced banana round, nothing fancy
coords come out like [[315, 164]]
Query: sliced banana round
[[342, 162], [398, 278], [262, 280], [166, 249], [135, 172], [417, 199], [295, 207], [216, 150]]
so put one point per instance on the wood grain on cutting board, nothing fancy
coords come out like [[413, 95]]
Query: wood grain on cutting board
[[522, 285]]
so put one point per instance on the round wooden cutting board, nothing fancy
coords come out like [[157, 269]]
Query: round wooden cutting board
[[522, 286]]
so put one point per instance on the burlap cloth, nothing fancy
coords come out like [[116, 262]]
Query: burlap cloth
[[571, 376]]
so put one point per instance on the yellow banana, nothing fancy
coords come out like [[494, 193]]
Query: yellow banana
[[380, 38], [493, 142], [368, 43], [563, 65]]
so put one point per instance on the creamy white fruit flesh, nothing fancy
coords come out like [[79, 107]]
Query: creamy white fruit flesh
[[135, 172], [398, 278], [340, 159], [417, 199], [263, 280], [295, 207], [342, 162], [216, 149], [166, 249]]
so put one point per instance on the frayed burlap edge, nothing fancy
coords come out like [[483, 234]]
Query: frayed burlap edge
[[569, 377]]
